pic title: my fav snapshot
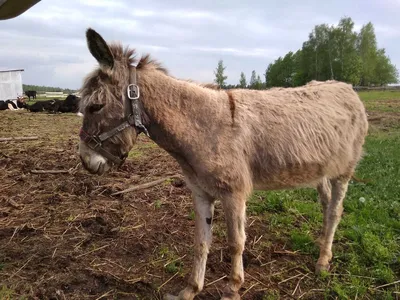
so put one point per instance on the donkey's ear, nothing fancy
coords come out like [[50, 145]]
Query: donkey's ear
[[99, 49]]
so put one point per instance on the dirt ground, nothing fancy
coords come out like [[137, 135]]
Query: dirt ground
[[63, 236]]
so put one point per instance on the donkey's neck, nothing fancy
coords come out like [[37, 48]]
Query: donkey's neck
[[183, 116]]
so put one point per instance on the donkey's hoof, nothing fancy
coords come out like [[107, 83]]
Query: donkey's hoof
[[230, 296], [170, 297], [319, 268]]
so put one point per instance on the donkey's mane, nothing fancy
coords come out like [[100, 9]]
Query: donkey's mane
[[128, 56]]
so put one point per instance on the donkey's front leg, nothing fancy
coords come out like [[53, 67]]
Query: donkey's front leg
[[204, 209], [235, 214]]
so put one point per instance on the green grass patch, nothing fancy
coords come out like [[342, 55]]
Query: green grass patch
[[379, 95], [381, 101], [168, 258], [140, 150], [6, 293]]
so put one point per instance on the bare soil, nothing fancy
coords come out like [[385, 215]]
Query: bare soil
[[63, 236]]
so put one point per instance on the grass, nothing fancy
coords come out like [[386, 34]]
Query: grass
[[379, 95], [42, 99], [367, 243], [6, 293], [381, 101], [140, 150], [168, 259]]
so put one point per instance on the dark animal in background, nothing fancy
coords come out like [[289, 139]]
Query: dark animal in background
[[3, 105], [12, 103], [21, 103], [9, 104], [48, 105], [70, 104], [30, 94]]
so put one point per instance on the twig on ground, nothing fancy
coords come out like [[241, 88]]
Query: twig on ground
[[270, 262], [298, 284], [13, 204], [287, 252], [290, 278], [29, 259], [170, 262], [19, 138], [387, 284], [105, 294], [91, 251], [145, 185], [49, 171], [8, 186], [246, 291], [159, 288], [215, 281]]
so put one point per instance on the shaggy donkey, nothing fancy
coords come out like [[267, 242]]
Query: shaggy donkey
[[226, 142]]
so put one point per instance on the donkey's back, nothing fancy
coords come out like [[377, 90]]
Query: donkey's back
[[301, 135]]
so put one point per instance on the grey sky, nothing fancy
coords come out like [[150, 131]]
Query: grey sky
[[188, 37]]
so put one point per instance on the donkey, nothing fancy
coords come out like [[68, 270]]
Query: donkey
[[227, 143]]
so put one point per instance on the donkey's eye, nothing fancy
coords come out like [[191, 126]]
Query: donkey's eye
[[95, 108]]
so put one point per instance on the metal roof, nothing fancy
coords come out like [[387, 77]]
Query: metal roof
[[12, 70], [12, 8]]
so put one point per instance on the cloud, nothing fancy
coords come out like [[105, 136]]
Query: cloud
[[257, 52], [386, 31], [188, 37]]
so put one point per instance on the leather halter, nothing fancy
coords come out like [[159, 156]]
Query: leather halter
[[132, 118]]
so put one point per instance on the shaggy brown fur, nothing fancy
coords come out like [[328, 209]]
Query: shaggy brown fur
[[281, 138]]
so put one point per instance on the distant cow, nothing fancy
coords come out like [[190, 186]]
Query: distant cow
[[10, 104], [70, 104], [30, 94], [48, 105], [3, 105]]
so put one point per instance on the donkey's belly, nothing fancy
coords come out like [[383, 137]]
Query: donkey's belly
[[295, 177]]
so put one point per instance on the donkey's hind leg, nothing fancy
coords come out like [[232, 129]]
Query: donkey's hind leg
[[324, 194], [332, 216], [235, 214], [204, 210]]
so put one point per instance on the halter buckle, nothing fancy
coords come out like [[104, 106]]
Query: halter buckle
[[133, 91], [94, 142]]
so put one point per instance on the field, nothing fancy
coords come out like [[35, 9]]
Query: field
[[63, 236]]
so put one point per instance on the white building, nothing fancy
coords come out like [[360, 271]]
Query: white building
[[10, 84]]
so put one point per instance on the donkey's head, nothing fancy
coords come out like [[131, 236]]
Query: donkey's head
[[104, 106]]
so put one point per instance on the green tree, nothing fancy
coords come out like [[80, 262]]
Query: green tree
[[349, 62], [334, 52], [220, 78], [255, 81], [259, 83], [300, 71], [385, 71], [367, 49], [29, 87], [283, 71], [242, 81]]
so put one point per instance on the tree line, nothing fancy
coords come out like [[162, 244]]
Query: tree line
[[330, 53], [27, 87]]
